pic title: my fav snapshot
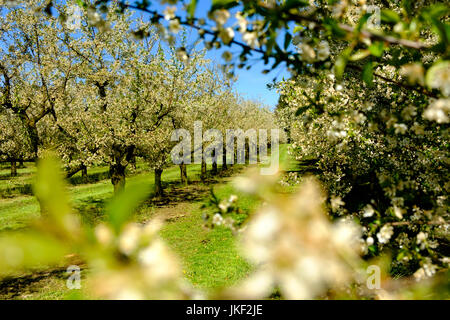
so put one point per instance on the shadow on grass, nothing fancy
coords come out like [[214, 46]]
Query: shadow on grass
[[13, 191], [196, 190], [91, 210], [16, 287], [26, 188]]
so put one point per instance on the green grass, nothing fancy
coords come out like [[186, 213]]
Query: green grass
[[17, 212], [20, 185], [210, 257]]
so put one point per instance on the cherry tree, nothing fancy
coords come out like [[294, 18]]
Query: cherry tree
[[34, 70], [14, 142]]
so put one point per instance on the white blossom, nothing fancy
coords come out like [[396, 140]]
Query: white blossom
[[169, 12], [438, 111], [385, 233], [323, 50]]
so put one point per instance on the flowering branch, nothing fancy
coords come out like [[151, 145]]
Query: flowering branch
[[299, 18]]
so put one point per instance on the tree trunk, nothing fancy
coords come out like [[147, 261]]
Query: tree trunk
[[247, 152], [117, 172], [34, 139], [214, 168], [133, 162], [13, 169], [158, 185], [71, 171], [183, 174], [203, 171], [84, 174], [21, 164], [214, 164], [224, 158]]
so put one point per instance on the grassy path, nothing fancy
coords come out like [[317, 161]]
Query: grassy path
[[210, 257]]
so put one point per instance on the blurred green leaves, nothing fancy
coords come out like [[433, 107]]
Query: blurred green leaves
[[24, 250], [50, 188], [191, 8], [341, 62], [367, 73], [389, 16], [122, 206]]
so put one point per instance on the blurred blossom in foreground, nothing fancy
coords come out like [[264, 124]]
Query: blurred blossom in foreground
[[295, 247], [145, 267]]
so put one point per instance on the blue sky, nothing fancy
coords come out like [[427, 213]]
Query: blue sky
[[251, 83]]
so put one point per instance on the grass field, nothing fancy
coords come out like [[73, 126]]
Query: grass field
[[210, 258]]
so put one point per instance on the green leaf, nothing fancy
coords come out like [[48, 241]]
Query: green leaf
[[389, 16], [298, 29], [295, 4], [191, 8], [301, 110], [363, 21], [377, 48], [123, 205], [341, 62], [223, 4], [407, 5], [436, 67], [447, 32], [360, 54], [29, 249], [435, 11], [82, 3], [287, 40], [440, 29], [332, 27], [367, 73], [50, 189], [373, 249]]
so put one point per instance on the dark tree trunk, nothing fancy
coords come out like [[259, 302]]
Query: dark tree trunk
[[21, 164], [203, 171], [224, 158], [33, 135], [13, 169], [71, 171], [84, 173], [132, 161], [158, 183], [183, 174], [214, 164], [117, 173], [247, 152]]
